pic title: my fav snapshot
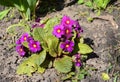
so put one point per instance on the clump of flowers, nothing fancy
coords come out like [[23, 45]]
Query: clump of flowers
[[58, 43], [34, 46]]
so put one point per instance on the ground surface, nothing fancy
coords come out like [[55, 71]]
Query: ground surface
[[103, 35]]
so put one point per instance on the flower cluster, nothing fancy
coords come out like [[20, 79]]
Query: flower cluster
[[34, 46], [77, 60], [65, 31]]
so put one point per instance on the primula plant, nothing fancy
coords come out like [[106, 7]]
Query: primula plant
[[56, 43]]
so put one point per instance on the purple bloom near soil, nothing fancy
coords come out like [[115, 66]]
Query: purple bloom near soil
[[77, 60], [20, 50], [67, 21], [78, 27], [18, 42], [58, 31], [24, 37], [34, 46], [78, 64], [67, 46]]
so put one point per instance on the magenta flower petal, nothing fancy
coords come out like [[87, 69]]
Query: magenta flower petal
[[29, 39], [24, 37], [58, 31], [67, 46], [68, 32], [78, 64], [67, 21], [77, 60], [18, 42], [20, 50], [77, 26], [34, 46]]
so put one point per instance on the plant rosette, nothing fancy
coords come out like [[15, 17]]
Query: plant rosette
[[57, 44]]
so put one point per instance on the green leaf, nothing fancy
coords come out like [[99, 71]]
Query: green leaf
[[89, 4], [104, 5], [38, 58], [64, 64], [41, 69], [84, 48], [28, 13], [4, 13], [81, 76], [50, 24], [105, 76], [40, 35], [8, 3], [27, 67], [32, 4], [53, 45], [31, 64], [25, 44], [80, 1]]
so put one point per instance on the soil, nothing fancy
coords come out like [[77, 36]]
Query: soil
[[102, 34]]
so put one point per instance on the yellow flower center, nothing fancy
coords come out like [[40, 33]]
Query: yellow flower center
[[58, 31], [67, 45], [25, 38], [34, 45], [67, 31]]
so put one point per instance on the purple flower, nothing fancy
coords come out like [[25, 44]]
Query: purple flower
[[66, 21], [34, 46], [68, 32], [37, 20], [78, 27], [58, 31], [67, 46], [77, 60], [29, 39], [20, 50], [18, 42], [78, 64], [24, 37]]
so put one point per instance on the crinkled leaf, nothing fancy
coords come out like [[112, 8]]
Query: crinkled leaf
[[53, 45], [4, 13], [64, 64], [40, 35], [31, 64], [84, 48], [41, 69], [81, 76], [50, 24], [38, 58], [27, 67]]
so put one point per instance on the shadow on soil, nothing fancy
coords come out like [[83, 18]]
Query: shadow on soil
[[46, 6]]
